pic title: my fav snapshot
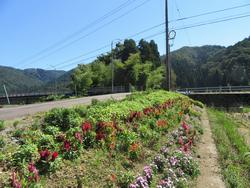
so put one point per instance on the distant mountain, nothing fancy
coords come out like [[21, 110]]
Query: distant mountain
[[28, 80], [212, 65], [43, 75], [187, 64]]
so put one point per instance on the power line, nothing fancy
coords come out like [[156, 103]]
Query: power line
[[211, 12], [90, 33], [83, 60], [91, 24], [212, 22], [108, 44], [177, 29], [182, 21]]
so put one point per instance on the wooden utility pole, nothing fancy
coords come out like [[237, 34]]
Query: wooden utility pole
[[167, 62]]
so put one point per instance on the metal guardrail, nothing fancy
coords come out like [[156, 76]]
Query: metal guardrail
[[222, 89], [36, 94], [106, 90]]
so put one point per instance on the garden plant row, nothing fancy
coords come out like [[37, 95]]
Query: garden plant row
[[145, 132]]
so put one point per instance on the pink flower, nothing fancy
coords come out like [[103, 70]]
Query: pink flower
[[14, 181], [31, 167], [66, 145], [78, 136], [180, 141]]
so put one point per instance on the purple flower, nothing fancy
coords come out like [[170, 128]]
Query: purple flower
[[148, 173], [166, 183], [173, 161]]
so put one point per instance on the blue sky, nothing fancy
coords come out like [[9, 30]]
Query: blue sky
[[29, 26]]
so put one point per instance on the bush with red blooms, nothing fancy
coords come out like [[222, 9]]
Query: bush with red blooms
[[47, 162], [161, 123], [134, 151]]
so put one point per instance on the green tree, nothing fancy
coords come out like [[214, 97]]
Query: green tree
[[82, 79]]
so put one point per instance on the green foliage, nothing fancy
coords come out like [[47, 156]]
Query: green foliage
[[126, 139], [52, 98], [24, 154], [124, 179], [232, 149], [155, 79], [18, 133], [15, 124], [62, 118], [2, 127], [2, 142], [132, 66]]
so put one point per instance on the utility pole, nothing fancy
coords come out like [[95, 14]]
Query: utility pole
[[167, 62], [6, 93]]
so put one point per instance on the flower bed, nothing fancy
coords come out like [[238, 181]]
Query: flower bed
[[123, 129], [174, 165]]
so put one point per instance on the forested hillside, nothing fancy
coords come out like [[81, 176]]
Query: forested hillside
[[140, 66], [212, 65], [28, 80]]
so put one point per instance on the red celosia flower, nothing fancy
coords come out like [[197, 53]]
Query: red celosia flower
[[54, 155], [44, 155], [113, 177], [86, 126], [100, 136], [161, 123], [78, 136], [66, 145], [134, 147]]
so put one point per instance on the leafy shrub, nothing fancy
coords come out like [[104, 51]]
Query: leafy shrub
[[15, 124], [35, 125], [46, 141], [89, 139], [62, 118], [24, 154], [51, 130], [48, 162], [81, 110], [124, 179], [18, 133], [234, 177], [197, 103], [2, 143], [94, 101], [2, 127], [126, 139]]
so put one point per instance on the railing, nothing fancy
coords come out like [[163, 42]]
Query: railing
[[36, 94], [222, 89], [106, 90]]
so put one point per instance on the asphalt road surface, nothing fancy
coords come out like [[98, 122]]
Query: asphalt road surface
[[21, 111]]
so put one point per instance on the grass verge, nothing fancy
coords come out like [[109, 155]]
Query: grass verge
[[232, 149]]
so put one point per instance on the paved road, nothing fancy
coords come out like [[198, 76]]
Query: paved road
[[21, 111]]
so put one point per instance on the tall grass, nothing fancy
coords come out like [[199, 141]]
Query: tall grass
[[232, 149]]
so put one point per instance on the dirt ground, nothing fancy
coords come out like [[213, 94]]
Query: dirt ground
[[210, 169]]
